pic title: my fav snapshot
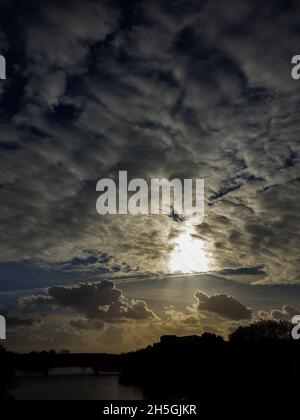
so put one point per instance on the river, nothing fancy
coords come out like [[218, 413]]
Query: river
[[73, 384]]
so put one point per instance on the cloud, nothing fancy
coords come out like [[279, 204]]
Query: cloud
[[98, 301], [210, 96], [249, 271], [223, 305], [251, 275], [96, 331], [15, 322], [87, 324], [286, 313]]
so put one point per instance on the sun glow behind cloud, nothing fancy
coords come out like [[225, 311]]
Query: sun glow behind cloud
[[189, 255]]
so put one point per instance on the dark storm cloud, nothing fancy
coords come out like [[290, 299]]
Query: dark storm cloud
[[223, 305], [101, 301], [161, 89]]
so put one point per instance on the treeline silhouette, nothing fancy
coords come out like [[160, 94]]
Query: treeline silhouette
[[259, 359]]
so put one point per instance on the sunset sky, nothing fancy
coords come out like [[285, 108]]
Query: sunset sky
[[161, 89]]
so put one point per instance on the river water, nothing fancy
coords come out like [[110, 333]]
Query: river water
[[73, 384]]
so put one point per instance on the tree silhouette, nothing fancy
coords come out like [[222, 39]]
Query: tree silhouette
[[263, 331]]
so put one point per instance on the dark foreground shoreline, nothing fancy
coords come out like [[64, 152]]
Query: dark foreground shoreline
[[261, 359]]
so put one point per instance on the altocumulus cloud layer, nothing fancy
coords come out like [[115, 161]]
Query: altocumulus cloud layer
[[160, 89]]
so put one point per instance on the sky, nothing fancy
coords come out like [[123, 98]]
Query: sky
[[161, 89]]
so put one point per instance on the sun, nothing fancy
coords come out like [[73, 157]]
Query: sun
[[189, 255]]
